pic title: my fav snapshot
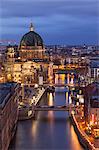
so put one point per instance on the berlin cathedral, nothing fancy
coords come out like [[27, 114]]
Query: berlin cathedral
[[31, 46], [28, 61]]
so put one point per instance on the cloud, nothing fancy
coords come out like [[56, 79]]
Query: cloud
[[52, 17], [47, 8]]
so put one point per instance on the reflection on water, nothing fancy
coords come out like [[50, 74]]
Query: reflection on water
[[50, 103], [34, 128], [66, 98], [65, 78], [50, 130], [74, 140]]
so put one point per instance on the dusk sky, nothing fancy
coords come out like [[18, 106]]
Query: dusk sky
[[57, 21]]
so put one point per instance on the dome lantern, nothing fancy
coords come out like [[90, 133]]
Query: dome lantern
[[31, 27]]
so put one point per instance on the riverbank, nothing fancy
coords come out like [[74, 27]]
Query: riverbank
[[27, 112], [82, 136], [47, 128]]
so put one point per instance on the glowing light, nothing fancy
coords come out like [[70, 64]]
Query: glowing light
[[73, 89], [66, 97], [56, 78], [74, 142], [36, 85], [1, 78], [68, 78], [50, 102], [77, 103], [50, 71], [72, 79], [70, 100], [34, 129], [77, 96], [32, 101], [81, 99], [72, 112], [92, 119], [62, 78], [80, 92], [29, 112], [9, 76], [51, 113]]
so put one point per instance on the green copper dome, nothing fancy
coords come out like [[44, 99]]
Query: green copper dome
[[31, 39]]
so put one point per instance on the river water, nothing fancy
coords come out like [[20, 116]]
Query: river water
[[50, 130]]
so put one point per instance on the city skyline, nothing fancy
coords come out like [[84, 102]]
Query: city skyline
[[58, 22], [49, 75]]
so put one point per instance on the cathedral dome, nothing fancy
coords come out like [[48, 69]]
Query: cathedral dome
[[31, 39]]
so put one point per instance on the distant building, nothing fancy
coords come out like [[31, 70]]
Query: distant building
[[9, 96], [94, 69]]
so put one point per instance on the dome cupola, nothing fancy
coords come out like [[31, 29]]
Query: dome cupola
[[31, 39]]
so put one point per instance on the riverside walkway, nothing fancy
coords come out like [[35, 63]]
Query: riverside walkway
[[26, 111]]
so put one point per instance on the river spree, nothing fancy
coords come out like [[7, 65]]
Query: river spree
[[50, 130]]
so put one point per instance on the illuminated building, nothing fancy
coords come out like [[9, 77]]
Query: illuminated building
[[91, 104], [23, 63], [50, 72], [31, 46], [9, 65]]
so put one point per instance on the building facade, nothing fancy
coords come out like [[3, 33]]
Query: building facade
[[94, 69], [31, 46], [9, 96], [23, 64], [91, 104]]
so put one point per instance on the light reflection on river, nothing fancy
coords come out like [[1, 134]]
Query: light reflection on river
[[49, 131]]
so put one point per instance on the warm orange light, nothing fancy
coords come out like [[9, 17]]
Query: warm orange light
[[70, 100], [92, 119], [50, 100], [74, 140]]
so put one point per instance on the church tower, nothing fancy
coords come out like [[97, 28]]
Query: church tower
[[10, 60]]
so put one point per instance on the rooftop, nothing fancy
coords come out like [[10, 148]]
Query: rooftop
[[31, 39], [95, 64], [3, 94], [6, 90]]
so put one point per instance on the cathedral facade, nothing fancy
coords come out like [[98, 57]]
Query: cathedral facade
[[20, 64], [31, 46]]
